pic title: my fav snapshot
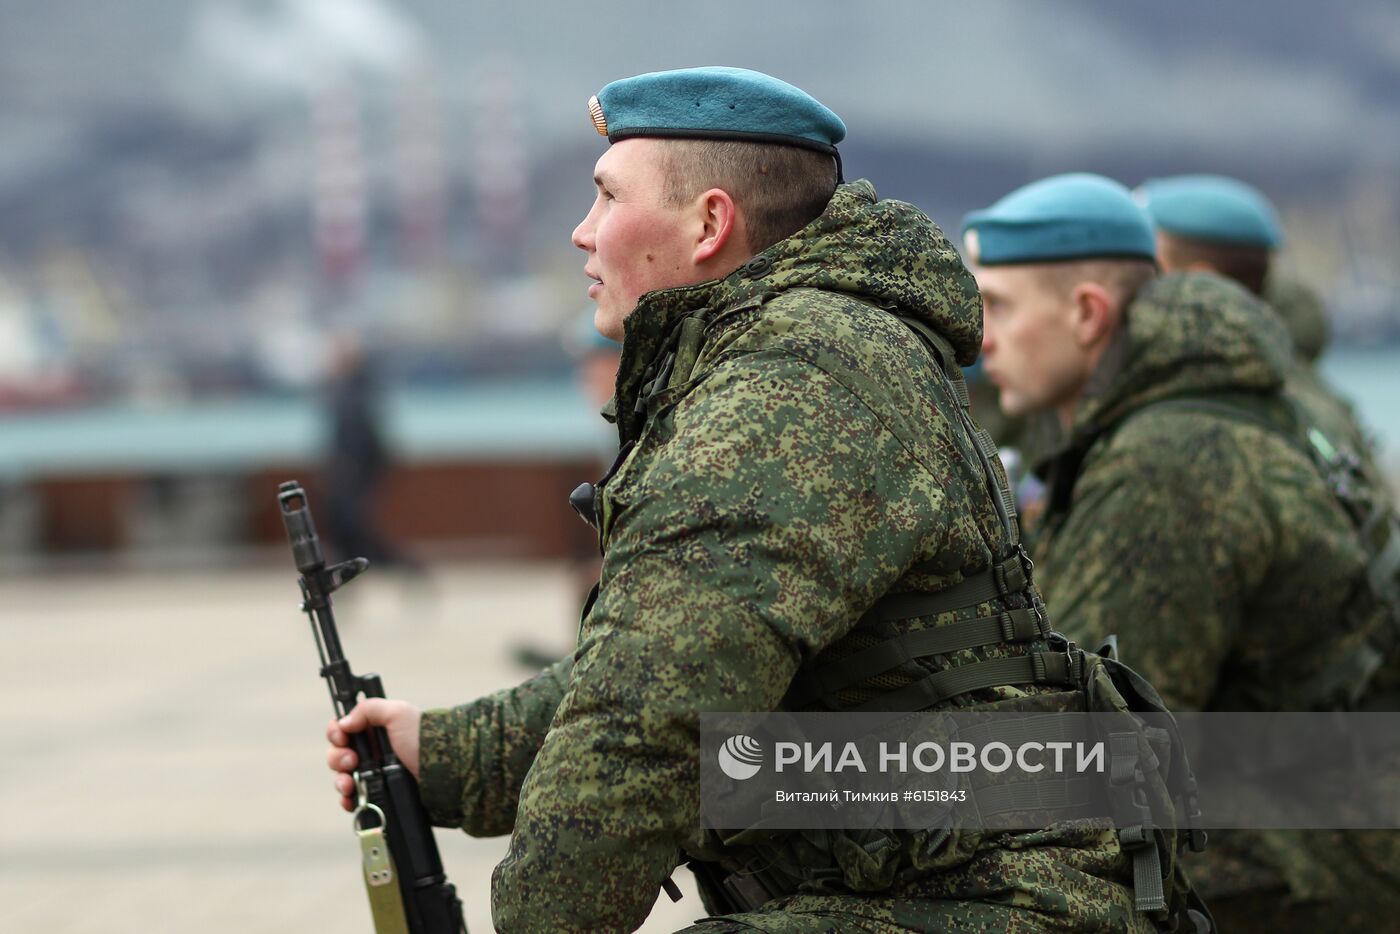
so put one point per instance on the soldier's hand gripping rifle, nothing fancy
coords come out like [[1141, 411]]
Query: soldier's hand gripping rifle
[[408, 891]]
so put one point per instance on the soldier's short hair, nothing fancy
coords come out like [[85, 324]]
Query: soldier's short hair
[[780, 189], [1247, 265], [1123, 278]]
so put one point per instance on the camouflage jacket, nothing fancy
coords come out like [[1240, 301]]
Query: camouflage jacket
[[1210, 546], [1302, 313], [1225, 565], [789, 458], [1306, 320]]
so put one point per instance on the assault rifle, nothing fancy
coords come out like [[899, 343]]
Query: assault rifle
[[408, 891]]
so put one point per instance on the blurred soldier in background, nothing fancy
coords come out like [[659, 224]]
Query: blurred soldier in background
[[1212, 223], [1208, 223], [792, 453], [1178, 517]]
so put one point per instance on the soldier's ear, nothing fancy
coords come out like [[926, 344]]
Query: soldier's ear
[[719, 228], [1095, 314]]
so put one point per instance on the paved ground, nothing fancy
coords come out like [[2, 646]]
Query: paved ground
[[162, 767]]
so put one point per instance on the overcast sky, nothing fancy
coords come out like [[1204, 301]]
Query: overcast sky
[[1267, 76]]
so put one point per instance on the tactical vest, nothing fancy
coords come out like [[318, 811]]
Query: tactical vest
[[882, 664], [1342, 680]]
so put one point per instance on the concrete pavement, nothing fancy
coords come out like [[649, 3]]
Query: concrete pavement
[[163, 761]]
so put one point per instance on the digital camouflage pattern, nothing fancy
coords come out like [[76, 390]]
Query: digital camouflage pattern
[[1216, 553], [793, 458], [1211, 546]]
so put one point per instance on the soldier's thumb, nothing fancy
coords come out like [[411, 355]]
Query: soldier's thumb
[[372, 711]]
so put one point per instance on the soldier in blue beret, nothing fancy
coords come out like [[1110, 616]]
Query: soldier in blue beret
[[1220, 224], [1213, 209], [1183, 514], [1078, 239], [1210, 223], [795, 450]]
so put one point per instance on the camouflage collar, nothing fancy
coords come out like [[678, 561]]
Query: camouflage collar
[[883, 252], [1195, 333], [1192, 334]]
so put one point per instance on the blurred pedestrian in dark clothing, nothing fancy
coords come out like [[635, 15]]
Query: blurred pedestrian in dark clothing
[[357, 460]]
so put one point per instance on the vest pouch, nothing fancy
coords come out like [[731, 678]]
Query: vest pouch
[[1152, 791]]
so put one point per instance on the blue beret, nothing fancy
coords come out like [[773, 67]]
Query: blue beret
[[715, 103], [1076, 216], [1212, 208]]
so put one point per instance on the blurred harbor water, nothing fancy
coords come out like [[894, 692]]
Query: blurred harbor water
[[1370, 379]]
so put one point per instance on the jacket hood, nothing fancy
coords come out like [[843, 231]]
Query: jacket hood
[[887, 253], [1185, 334]]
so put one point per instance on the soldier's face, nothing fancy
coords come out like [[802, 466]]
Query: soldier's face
[[635, 240], [1029, 348]]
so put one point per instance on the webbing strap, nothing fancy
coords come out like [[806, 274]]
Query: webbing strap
[[1122, 758], [998, 580], [1141, 844], [946, 366], [945, 356], [1059, 668], [1072, 794], [960, 392], [987, 451], [828, 679]]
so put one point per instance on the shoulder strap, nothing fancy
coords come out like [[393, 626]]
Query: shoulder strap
[[951, 375]]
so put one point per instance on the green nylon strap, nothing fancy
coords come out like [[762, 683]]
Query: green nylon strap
[[947, 369], [1060, 794], [951, 374], [1057, 668], [987, 451], [835, 676], [1122, 758], [1141, 844], [1001, 579], [1126, 772], [946, 357]]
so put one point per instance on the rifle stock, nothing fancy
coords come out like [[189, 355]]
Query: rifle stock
[[426, 902]]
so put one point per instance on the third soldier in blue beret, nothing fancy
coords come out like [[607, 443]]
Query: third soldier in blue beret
[[1220, 224], [1216, 224]]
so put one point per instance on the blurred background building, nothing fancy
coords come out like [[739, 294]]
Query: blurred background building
[[196, 194]]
